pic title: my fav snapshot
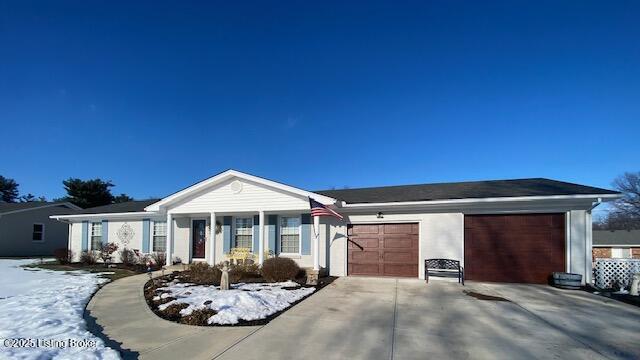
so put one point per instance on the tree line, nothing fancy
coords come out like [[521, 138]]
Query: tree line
[[82, 193], [623, 215]]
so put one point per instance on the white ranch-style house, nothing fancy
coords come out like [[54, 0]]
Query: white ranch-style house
[[504, 230]]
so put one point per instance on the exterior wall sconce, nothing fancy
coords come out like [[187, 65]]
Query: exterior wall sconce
[[379, 215]]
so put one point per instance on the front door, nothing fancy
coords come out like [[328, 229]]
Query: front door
[[198, 238]]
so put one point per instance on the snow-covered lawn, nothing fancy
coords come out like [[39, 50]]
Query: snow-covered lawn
[[44, 308], [243, 302]]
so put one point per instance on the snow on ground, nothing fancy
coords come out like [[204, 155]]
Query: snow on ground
[[45, 308], [242, 302]]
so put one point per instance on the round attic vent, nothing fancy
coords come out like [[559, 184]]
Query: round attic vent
[[236, 186]]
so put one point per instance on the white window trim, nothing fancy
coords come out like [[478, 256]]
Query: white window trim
[[233, 230], [91, 234], [288, 254], [33, 231], [153, 238]]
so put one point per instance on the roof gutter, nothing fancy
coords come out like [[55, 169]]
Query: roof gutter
[[595, 204], [105, 215], [483, 200]]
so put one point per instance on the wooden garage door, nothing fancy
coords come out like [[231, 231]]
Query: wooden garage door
[[523, 248], [383, 250]]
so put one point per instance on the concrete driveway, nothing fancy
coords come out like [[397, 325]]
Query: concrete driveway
[[374, 318]]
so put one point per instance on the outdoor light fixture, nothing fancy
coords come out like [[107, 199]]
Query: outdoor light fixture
[[379, 215]]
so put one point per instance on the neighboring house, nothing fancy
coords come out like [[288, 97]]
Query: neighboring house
[[620, 244], [26, 229], [505, 230]]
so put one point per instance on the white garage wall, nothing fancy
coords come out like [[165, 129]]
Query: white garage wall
[[441, 236], [579, 243]]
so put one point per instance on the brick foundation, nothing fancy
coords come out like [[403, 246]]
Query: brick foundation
[[601, 252]]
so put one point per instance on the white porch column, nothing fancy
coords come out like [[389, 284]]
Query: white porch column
[[261, 238], [169, 239], [212, 239], [316, 243]]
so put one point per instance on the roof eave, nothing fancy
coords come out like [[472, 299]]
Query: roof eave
[[602, 197], [123, 215]]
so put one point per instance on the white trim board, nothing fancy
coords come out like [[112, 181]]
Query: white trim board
[[481, 200]]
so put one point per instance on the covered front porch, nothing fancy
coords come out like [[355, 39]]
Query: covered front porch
[[262, 234]]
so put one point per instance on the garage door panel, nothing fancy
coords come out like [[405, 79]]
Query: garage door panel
[[364, 269], [399, 243], [363, 229], [365, 256], [387, 250], [364, 243], [525, 248], [399, 257], [398, 228]]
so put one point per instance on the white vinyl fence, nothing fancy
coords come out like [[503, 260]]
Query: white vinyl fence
[[611, 271]]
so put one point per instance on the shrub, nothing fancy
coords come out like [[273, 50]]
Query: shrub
[[172, 312], [63, 256], [159, 258], [279, 269], [88, 258], [106, 250], [243, 272], [203, 274], [128, 257], [198, 317]]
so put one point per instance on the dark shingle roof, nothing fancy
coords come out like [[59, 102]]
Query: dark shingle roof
[[129, 206], [463, 190], [616, 237], [7, 207]]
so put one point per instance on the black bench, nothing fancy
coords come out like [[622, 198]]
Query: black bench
[[444, 268]]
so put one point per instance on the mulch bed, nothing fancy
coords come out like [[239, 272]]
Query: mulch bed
[[199, 317], [609, 293]]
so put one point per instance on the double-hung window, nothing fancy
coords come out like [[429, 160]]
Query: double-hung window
[[159, 236], [96, 235], [38, 232], [290, 235], [243, 237]]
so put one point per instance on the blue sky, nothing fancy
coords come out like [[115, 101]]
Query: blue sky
[[155, 96]]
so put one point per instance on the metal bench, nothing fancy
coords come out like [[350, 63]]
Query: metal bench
[[444, 268]]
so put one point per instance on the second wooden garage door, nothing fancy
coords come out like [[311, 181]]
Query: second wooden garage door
[[523, 248], [383, 250]]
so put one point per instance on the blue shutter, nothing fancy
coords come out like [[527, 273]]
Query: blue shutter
[[256, 234], [273, 233], [306, 234], [226, 234], [85, 235], [105, 231], [146, 223]]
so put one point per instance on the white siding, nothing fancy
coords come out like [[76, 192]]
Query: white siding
[[577, 244], [252, 197], [134, 243], [76, 240], [181, 241]]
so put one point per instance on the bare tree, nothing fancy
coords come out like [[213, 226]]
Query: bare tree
[[629, 185], [625, 212]]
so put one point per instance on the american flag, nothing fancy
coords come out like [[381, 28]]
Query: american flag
[[318, 209]]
